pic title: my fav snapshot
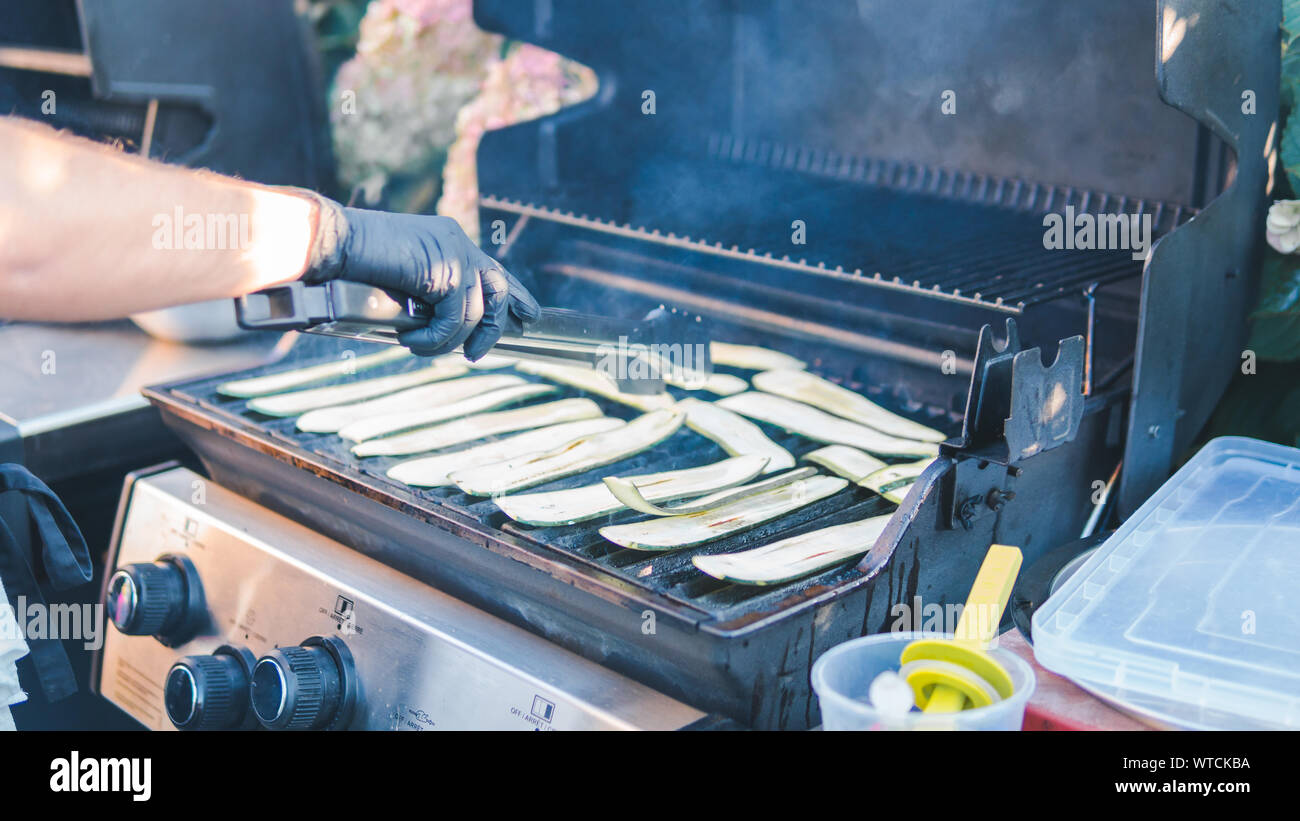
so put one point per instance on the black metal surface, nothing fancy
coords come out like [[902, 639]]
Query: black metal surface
[[259, 115], [865, 243], [1053, 93], [1036, 582], [905, 337]]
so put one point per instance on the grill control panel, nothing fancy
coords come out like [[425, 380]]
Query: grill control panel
[[229, 616]]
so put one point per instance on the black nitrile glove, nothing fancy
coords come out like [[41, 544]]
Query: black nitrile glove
[[426, 257]]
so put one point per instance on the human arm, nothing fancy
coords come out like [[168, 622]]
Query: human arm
[[87, 232]]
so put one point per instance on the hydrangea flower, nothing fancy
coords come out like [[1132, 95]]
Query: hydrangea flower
[[417, 63], [1283, 225], [427, 81], [530, 82]]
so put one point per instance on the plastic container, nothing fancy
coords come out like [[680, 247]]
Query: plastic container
[[843, 674], [1190, 613]]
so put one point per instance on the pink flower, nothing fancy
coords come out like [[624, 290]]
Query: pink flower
[[530, 82], [394, 104], [426, 12], [426, 80]]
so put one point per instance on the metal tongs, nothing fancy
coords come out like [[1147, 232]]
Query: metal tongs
[[640, 355]]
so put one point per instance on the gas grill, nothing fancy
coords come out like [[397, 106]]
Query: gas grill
[[792, 172]]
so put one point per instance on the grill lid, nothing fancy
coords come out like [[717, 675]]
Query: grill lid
[[1046, 94]]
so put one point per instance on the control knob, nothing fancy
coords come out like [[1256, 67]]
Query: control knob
[[309, 687], [162, 598], [210, 692]]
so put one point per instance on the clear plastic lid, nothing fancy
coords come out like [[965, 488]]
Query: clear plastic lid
[[1191, 611]]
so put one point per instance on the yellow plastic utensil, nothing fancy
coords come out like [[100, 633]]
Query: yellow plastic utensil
[[948, 675]]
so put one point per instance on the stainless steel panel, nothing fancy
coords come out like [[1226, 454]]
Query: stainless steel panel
[[425, 661]]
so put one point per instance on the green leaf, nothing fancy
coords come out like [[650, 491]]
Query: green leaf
[[1291, 151], [1290, 87], [1264, 405], [1291, 16], [1275, 323]]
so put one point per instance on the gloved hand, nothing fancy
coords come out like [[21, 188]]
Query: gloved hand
[[426, 257]]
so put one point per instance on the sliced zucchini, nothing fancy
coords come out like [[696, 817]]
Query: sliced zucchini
[[581, 454], [431, 471], [813, 390], [845, 461], [565, 507], [751, 357], [288, 380], [629, 494], [594, 381], [674, 532], [373, 427], [476, 427], [330, 420], [814, 424], [893, 481], [723, 384], [733, 433], [689, 379], [491, 362], [795, 557], [898, 492], [292, 404]]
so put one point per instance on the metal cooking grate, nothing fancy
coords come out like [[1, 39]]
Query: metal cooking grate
[[669, 574], [987, 256], [949, 183]]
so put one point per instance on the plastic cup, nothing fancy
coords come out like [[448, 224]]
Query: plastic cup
[[843, 674]]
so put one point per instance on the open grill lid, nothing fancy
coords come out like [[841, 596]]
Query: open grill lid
[[1043, 93], [833, 114]]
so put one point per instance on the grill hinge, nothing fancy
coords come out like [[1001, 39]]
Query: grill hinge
[[1016, 408]]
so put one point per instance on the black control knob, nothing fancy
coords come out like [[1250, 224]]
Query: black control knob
[[210, 692], [309, 687], [162, 598]]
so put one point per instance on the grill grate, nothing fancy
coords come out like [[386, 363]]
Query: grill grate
[[918, 178], [991, 257], [668, 574]]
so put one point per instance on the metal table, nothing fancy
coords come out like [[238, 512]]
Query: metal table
[[70, 400]]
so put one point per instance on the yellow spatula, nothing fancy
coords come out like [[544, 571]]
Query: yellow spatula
[[948, 675]]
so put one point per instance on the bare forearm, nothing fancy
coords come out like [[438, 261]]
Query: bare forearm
[[87, 232]]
